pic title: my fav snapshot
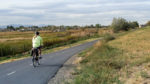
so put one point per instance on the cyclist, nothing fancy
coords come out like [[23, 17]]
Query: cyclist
[[37, 43]]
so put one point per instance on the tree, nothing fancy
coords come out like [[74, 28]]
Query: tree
[[75, 26], [91, 26], [98, 25], [62, 26], [119, 24], [21, 27], [133, 24], [35, 27], [10, 27], [68, 27], [148, 23]]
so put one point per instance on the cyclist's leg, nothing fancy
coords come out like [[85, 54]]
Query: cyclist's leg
[[39, 49], [37, 54]]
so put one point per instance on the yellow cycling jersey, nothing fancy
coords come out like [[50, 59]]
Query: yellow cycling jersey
[[37, 42]]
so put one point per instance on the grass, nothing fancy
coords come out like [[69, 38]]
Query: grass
[[135, 46], [144, 74], [107, 61], [100, 67], [12, 43]]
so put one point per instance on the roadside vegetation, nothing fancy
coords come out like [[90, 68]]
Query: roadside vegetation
[[121, 24], [121, 58]]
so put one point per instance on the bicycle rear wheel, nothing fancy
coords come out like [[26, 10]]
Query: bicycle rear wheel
[[38, 61], [35, 61]]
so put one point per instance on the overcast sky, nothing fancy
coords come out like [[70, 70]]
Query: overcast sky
[[72, 12]]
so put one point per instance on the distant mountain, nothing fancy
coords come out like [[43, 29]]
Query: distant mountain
[[14, 25], [17, 25], [2, 27]]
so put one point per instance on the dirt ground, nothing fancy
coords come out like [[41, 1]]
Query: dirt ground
[[137, 75]]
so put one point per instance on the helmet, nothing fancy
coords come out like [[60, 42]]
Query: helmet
[[37, 33]]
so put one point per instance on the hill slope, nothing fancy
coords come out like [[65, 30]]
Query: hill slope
[[135, 48], [125, 60]]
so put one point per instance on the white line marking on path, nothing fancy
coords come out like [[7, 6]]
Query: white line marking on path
[[11, 73], [31, 64]]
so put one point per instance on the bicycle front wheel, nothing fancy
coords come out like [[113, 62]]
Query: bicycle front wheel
[[35, 61]]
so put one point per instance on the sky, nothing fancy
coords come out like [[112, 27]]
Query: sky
[[72, 12]]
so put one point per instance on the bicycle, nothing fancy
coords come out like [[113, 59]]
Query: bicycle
[[36, 58]]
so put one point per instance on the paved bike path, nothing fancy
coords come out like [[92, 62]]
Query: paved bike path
[[22, 71]]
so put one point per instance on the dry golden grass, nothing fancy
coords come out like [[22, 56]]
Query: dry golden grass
[[15, 35], [10, 36], [81, 33], [98, 44], [11, 39], [135, 45], [105, 31]]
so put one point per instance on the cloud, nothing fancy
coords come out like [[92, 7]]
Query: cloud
[[72, 12]]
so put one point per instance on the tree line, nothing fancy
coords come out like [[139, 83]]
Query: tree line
[[118, 24], [49, 27]]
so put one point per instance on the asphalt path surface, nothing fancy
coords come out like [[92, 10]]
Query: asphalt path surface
[[22, 71]]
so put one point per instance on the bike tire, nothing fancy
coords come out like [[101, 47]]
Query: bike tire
[[35, 61]]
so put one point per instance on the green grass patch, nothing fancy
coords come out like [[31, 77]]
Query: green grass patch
[[101, 67]]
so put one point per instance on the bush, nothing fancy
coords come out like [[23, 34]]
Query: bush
[[148, 23], [119, 24], [133, 24], [108, 37]]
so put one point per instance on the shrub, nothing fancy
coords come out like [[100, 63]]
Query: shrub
[[148, 23], [133, 24], [108, 37], [119, 24]]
